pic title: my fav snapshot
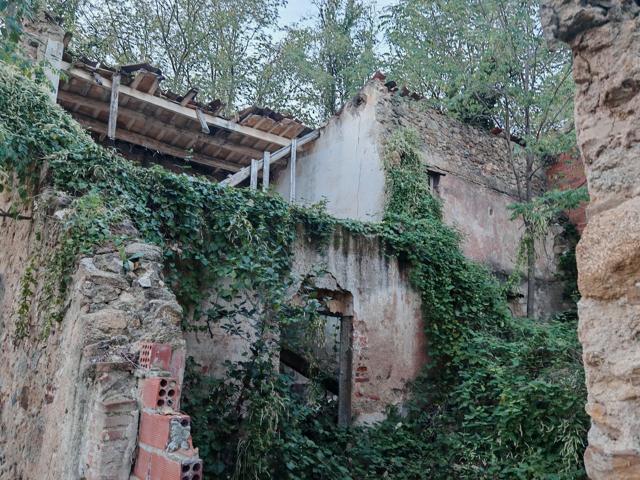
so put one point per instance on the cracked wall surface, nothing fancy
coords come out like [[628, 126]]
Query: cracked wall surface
[[605, 39], [389, 345]]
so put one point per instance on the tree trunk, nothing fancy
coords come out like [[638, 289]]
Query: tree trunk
[[531, 256], [531, 280]]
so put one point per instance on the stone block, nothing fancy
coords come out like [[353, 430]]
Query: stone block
[[144, 250], [108, 320], [608, 254]]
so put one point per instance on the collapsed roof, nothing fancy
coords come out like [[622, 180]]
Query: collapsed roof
[[173, 125]]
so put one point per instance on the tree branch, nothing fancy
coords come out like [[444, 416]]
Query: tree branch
[[15, 216]]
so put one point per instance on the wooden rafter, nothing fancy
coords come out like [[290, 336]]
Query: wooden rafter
[[150, 123], [190, 95], [177, 108], [164, 148], [245, 172], [145, 82], [113, 106]]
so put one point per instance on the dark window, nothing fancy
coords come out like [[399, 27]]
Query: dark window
[[434, 181]]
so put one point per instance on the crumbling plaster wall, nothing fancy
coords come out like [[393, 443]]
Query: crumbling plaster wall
[[388, 337], [478, 183], [605, 39], [43, 40], [69, 403], [345, 167]]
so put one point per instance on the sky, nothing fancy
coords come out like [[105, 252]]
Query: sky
[[297, 9]]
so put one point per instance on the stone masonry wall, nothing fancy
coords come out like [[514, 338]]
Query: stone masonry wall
[[605, 39], [476, 187], [70, 404]]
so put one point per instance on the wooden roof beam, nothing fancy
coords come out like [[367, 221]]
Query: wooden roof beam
[[145, 81], [150, 122], [190, 95], [151, 144], [179, 109], [245, 172]]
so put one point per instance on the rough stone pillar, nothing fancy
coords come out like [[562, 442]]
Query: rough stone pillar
[[605, 39]]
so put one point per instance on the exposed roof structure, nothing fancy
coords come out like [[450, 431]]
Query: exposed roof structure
[[171, 124]]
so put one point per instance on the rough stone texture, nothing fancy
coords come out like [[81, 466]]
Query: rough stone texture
[[69, 404], [605, 39], [388, 339]]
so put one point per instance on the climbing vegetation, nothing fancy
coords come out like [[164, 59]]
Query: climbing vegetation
[[539, 214], [501, 398]]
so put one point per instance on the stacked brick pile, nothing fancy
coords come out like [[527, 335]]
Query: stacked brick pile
[[165, 449]]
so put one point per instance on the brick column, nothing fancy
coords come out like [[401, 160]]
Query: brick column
[[165, 450]]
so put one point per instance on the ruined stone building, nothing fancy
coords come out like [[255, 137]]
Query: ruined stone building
[[117, 413]]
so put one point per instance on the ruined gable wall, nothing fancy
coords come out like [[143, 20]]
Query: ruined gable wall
[[476, 189], [605, 39], [344, 166], [70, 403]]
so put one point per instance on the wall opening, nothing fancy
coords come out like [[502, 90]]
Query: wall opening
[[434, 181], [326, 354]]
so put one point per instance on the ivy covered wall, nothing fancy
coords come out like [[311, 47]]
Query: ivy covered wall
[[499, 398]]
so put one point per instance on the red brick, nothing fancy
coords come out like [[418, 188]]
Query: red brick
[[119, 404], [568, 172], [160, 392], [102, 367], [155, 355], [111, 421], [159, 467], [142, 468], [109, 435], [192, 470], [155, 428]]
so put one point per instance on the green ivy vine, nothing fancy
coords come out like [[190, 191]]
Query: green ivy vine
[[540, 213], [501, 397]]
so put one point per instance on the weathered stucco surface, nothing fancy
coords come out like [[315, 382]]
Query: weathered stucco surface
[[69, 403], [605, 39], [345, 167], [388, 338], [389, 347]]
